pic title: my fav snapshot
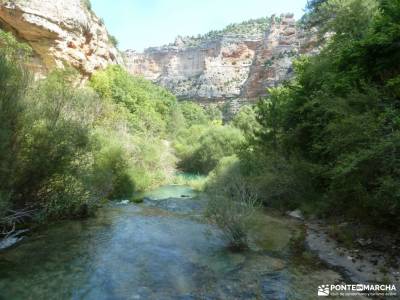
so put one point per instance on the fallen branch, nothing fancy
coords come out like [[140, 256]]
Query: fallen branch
[[8, 223]]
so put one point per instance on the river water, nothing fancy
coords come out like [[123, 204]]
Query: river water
[[160, 249]]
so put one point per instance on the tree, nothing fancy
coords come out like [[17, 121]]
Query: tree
[[338, 118]]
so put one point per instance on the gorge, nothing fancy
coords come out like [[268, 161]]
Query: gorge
[[234, 65], [127, 175]]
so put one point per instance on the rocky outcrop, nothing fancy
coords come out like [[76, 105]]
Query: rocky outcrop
[[60, 33], [232, 64]]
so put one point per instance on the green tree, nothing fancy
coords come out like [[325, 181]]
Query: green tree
[[193, 113], [339, 117], [246, 120]]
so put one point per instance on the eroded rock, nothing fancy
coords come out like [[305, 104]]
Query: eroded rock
[[60, 33], [233, 66]]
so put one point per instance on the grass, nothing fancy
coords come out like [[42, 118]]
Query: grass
[[196, 182]]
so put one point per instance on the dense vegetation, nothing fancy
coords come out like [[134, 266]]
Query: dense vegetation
[[329, 140], [64, 147], [246, 28]]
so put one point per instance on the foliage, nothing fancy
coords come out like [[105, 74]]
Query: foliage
[[214, 114], [232, 203], [45, 142], [196, 182], [193, 113], [250, 27], [54, 155], [149, 115], [63, 147], [11, 49], [113, 40], [338, 119], [151, 108], [246, 120], [200, 152], [13, 85], [87, 4]]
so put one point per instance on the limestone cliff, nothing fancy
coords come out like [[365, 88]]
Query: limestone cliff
[[239, 62], [61, 33]]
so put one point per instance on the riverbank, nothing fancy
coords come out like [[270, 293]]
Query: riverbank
[[159, 249], [362, 257], [362, 263]]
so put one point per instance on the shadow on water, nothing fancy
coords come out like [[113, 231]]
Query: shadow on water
[[160, 249]]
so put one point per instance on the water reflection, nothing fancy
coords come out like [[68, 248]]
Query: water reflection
[[156, 250]]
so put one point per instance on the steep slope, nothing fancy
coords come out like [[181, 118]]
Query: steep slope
[[239, 62], [60, 33]]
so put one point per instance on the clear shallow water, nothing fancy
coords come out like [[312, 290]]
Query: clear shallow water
[[160, 249], [168, 191]]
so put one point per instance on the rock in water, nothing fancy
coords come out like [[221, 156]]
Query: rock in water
[[12, 239], [297, 214]]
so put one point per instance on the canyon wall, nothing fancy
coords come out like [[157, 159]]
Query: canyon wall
[[237, 64], [60, 33]]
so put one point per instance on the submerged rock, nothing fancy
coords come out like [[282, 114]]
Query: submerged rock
[[124, 202], [297, 214], [12, 239]]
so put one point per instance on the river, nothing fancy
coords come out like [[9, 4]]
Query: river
[[160, 249]]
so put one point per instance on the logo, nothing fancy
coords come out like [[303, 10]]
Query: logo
[[347, 290], [323, 290]]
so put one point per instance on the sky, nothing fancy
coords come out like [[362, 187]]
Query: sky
[[138, 24]]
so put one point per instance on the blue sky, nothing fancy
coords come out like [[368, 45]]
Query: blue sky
[[139, 24]]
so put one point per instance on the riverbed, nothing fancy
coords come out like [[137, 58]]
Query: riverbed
[[161, 249]]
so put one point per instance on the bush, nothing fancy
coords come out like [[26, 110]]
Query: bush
[[246, 120], [113, 40], [193, 113], [13, 85], [202, 147], [151, 108], [214, 114], [62, 148], [112, 177], [54, 146], [146, 116], [232, 206], [337, 121], [87, 4]]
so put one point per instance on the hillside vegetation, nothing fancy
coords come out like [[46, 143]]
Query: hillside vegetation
[[64, 148], [327, 142]]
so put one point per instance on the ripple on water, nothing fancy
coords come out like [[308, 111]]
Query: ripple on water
[[153, 252]]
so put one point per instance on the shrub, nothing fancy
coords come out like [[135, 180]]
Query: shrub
[[54, 149], [142, 115], [13, 85], [214, 114], [201, 147], [87, 4], [246, 120], [232, 206], [193, 113], [111, 173], [150, 107], [113, 40], [215, 143]]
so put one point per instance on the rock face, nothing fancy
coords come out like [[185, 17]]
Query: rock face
[[61, 33], [236, 64]]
